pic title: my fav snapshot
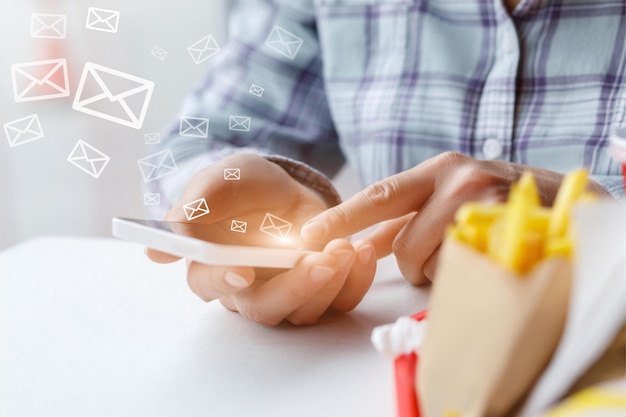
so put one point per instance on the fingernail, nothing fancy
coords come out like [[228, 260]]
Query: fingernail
[[235, 281], [343, 256], [313, 230], [365, 253], [321, 273]]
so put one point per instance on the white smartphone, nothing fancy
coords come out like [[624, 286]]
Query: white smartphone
[[213, 244]]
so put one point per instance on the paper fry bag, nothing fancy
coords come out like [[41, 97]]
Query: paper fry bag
[[490, 332]]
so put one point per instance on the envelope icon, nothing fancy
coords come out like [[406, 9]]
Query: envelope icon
[[203, 49], [40, 80], [88, 159], [283, 42], [195, 209], [50, 26], [195, 127], [239, 123], [158, 52], [152, 199], [275, 226], [152, 138], [255, 90], [238, 226], [102, 19], [232, 174], [122, 98], [157, 165], [24, 130]]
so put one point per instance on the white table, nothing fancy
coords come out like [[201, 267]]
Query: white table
[[90, 327]]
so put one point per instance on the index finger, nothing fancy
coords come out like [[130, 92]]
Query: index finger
[[387, 199]]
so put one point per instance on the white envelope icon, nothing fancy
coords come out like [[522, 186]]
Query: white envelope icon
[[152, 138], [152, 199], [256, 90], [157, 165], [24, 130], [283, 42], [275, 226], [122, 98], [238, 226], [195, 127], [50, 26], [88, 159], [40, 80], [239, 123], [158, 52], [103, 20], [203, 49], [232, 174], [195, 209]]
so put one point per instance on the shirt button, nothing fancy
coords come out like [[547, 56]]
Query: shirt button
[[492, 148]]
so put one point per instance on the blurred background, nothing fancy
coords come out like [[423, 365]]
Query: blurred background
[[40, 191]]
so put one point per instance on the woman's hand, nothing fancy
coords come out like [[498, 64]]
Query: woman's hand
[[417, 205], [337, 277]]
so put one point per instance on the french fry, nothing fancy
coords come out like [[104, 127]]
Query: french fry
[[533, 251], [523, 198], [476, 212], [559, 246], [475, 235], [572, 188], [520, 233], [539, 219]]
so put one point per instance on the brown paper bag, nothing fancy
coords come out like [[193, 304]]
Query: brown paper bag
[[490, 333]]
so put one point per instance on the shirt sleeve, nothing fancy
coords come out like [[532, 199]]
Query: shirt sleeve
[[273, 45]]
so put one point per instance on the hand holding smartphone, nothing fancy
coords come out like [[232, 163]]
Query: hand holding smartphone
[[258, 268]]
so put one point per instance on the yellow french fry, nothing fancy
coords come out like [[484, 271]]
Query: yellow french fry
[[539, 219], [475, 235], [477, 212], [522, 199], [533, 251], [528, 187], [472, 235], [572, 187], [558, 246], [520, 233]]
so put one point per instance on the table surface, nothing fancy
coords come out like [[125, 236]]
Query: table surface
[[90, 327]]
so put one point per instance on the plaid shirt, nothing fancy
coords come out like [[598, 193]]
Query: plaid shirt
[[388, 84]]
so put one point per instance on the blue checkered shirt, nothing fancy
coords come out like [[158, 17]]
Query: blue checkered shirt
[[388, 84]]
